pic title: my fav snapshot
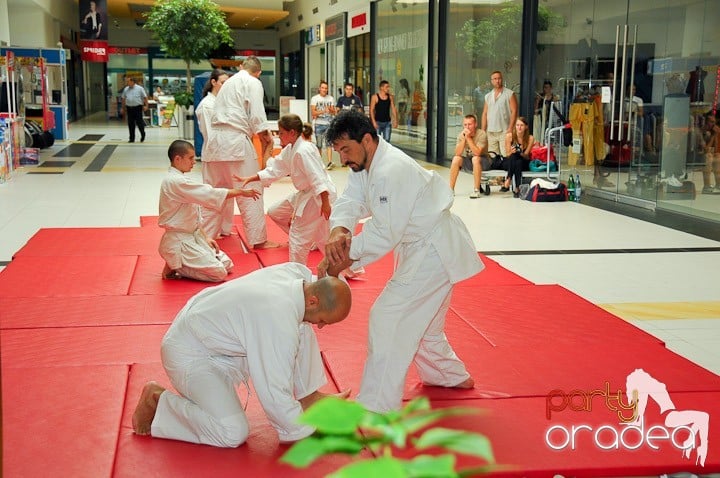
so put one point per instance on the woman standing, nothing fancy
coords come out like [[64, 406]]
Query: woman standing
[[204, 110], [403, 98], [519, 142]]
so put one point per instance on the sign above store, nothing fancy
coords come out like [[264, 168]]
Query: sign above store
[[95, 51], [359, 21]]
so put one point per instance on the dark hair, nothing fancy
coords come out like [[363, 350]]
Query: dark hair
[[383, 83], [350, 85], [216, 73], [526, 139], [404, 83], [351, 124], [179, 147], [307, 130], [291, 122], [547, 82]]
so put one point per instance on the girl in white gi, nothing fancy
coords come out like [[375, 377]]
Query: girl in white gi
[[410, 215], [256, 327], [187, 250], [204, 110], [304, 214]]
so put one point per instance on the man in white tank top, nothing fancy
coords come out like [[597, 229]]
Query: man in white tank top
[[499, 114]]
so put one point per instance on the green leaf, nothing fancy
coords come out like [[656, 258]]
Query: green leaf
[[426, 466], [303, 452], [415, 405], [333, 415], [422, 419], [384, 467], [458, 441]]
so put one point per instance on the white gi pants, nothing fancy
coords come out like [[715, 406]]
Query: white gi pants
[[191, 256], [219, 174], [303, 231], [208, 410], [407, 324]]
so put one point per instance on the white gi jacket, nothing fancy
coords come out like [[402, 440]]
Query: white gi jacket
[[239, 114], [410, 209], [180, 212], [301, 161], [247, 328], [204, 113]]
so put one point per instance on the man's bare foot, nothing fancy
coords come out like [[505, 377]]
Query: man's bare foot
[[168, 273], [268, 245], [145, 410], [307, 402], [469, 383]]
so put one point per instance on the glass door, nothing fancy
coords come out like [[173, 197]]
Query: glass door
[[639, 82]]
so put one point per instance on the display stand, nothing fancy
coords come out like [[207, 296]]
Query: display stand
[[43, 87], [11, 124]]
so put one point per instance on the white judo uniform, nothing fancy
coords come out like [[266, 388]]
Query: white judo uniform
[[250, 328], [299, 214], [204, 113], [183, 245], [238, 115], [410, 209]]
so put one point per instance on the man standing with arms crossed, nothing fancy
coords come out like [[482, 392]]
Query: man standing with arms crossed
[[499, 114], [239, 114], [322, 109]]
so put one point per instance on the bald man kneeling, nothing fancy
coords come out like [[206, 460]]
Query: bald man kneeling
[[256, 327]]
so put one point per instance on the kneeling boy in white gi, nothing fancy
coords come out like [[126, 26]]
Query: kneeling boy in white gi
[[187, 250]]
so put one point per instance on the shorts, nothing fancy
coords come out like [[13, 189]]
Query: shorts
[[320, 135], [485, 163]]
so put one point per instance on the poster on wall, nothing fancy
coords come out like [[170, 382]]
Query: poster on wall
[[93, 20]]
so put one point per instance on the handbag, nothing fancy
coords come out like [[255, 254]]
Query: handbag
[[567, 131]]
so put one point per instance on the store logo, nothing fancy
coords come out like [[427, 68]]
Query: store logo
[[685, 430], [93, 50]]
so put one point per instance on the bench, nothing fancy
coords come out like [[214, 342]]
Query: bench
[[490, 176]]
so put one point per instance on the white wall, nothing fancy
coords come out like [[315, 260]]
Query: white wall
[[4, 23], [305, 8]]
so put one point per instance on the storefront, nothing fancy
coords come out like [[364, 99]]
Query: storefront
[[650, 71]]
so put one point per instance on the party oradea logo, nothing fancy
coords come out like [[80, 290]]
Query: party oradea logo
[[683, 430]]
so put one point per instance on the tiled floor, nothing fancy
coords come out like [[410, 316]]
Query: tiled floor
[[662, 280]]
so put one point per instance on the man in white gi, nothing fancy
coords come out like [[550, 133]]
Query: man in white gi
[[410, 209], [256, 327], [499, 114], [303, 214], [238, 115], [187, 250]]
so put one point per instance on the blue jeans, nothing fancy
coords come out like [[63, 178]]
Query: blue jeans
[[384, 129]]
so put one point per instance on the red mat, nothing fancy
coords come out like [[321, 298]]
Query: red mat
[[80, 346], [147, 277], [274, 233], [110, 241], [145, 456], [530, 315], [70, 276], [61, 421], [38, 312]]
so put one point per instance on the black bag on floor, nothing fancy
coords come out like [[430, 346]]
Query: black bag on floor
[[540, 194]]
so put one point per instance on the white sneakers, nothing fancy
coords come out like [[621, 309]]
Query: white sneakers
[[475, 194]]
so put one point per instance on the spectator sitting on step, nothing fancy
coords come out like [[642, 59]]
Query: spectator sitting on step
[[471, 146]]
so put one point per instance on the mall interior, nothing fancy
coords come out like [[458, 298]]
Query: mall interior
[[638, 80]]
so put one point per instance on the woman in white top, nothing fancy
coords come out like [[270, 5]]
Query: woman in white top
[[204, 110]]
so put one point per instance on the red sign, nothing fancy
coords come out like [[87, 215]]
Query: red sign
[[96, 51], [358, 21], [123, 50]]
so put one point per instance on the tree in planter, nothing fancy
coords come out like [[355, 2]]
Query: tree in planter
[[347, 427], [190, 30], [483, 39]]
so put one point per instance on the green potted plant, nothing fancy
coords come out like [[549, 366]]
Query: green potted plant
[[188, 29], [347, 427]]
